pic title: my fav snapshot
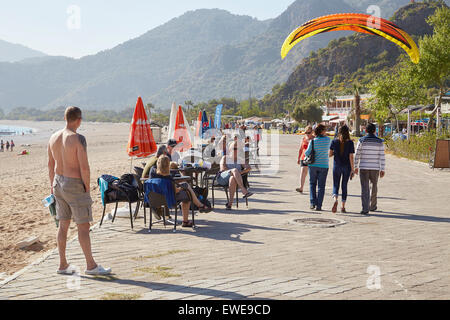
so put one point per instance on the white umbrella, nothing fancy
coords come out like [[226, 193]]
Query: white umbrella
[[172, 119]]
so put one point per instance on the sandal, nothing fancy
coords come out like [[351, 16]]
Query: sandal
[[188, 224], [228, 206], [299, 190], [248, 194], [334, 209], [205, 209], [69, 270]]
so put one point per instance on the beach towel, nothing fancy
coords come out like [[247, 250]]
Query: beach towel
[[103, 183], [161, 186]]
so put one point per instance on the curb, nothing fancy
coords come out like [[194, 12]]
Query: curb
[[38, 261]]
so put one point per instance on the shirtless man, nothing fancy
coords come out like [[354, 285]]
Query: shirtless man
[[69, 173]]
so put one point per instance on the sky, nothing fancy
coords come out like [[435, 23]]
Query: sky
[[77, 28]]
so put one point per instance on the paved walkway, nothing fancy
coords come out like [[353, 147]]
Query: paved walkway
[[258, 252]]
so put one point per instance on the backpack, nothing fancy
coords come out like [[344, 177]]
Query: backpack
[[124, 189]]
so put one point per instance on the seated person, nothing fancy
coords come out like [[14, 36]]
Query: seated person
[[150, 167], [163, 172], [231, 170], [171, 152]]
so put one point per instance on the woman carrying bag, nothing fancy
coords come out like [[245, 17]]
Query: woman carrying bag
[[318, 167], [301, 157]]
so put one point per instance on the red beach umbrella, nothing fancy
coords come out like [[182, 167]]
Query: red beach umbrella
[[181, 134], [141, 143], [198, 125]]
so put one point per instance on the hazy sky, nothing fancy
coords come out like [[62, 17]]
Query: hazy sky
[[77, 28]]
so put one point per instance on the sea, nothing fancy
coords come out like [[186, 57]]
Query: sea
[[9, 131]]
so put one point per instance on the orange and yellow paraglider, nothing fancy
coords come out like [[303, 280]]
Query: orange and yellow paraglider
[[354, 22]]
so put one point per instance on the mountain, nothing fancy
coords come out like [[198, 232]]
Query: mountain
[[198, 56], [11, 52]]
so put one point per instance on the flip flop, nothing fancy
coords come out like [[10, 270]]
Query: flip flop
[[99, 270], [69, 270], [249, 194]]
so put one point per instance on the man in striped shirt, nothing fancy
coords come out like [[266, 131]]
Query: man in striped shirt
[[370, 163]]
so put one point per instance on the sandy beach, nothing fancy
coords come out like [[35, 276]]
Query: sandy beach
[[25, 182]]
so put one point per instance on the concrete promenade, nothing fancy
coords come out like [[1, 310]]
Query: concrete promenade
[[399, 252]]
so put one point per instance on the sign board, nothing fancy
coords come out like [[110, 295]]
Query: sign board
[[442, 155]]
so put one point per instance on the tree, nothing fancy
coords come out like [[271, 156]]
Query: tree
[[357, 106], [189, 104], [394, 91], [310, 112], [149, 107], [433, 68]]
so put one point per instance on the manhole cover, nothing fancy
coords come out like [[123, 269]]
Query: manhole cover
[[319, 222]]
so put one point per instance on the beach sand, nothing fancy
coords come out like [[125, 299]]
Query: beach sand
[[24, 183]]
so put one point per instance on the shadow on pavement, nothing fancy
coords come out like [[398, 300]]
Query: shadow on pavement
[[217, 230], [407, 216], [158, 286]]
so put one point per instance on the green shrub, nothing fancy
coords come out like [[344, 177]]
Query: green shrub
[[419, 147]]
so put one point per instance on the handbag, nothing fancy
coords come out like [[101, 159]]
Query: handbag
[[311, 158]]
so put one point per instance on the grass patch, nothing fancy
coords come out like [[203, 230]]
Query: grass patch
[[158, 255], [120, 296], [161, 272]]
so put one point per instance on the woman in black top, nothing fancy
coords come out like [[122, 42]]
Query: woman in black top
[[343, 149]]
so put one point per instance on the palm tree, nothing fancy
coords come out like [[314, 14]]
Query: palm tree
[[357, 107]]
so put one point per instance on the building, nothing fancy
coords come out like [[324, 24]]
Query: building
[[342, 106], [445, 104]]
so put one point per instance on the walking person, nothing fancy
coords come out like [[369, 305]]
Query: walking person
[[318, 170], [12, 145], [370, 164], [69, 174], [2, 146], [342, 149], [7, 145], [301, 156]]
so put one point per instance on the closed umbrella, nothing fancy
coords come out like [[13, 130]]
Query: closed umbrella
[[198, 125], [141, 143], [181, 134]]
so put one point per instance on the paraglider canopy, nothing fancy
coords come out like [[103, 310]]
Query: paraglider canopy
[[354, 22]]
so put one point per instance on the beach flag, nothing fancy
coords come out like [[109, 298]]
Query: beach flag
[[181, 132], [205, 123], [211, 122], [140, 142], [218, 116]]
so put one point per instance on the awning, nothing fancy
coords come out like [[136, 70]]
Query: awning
[[329, 118], [338, 121]]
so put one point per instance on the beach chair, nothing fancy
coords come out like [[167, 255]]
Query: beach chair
[[116, 194], [159, 201]]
